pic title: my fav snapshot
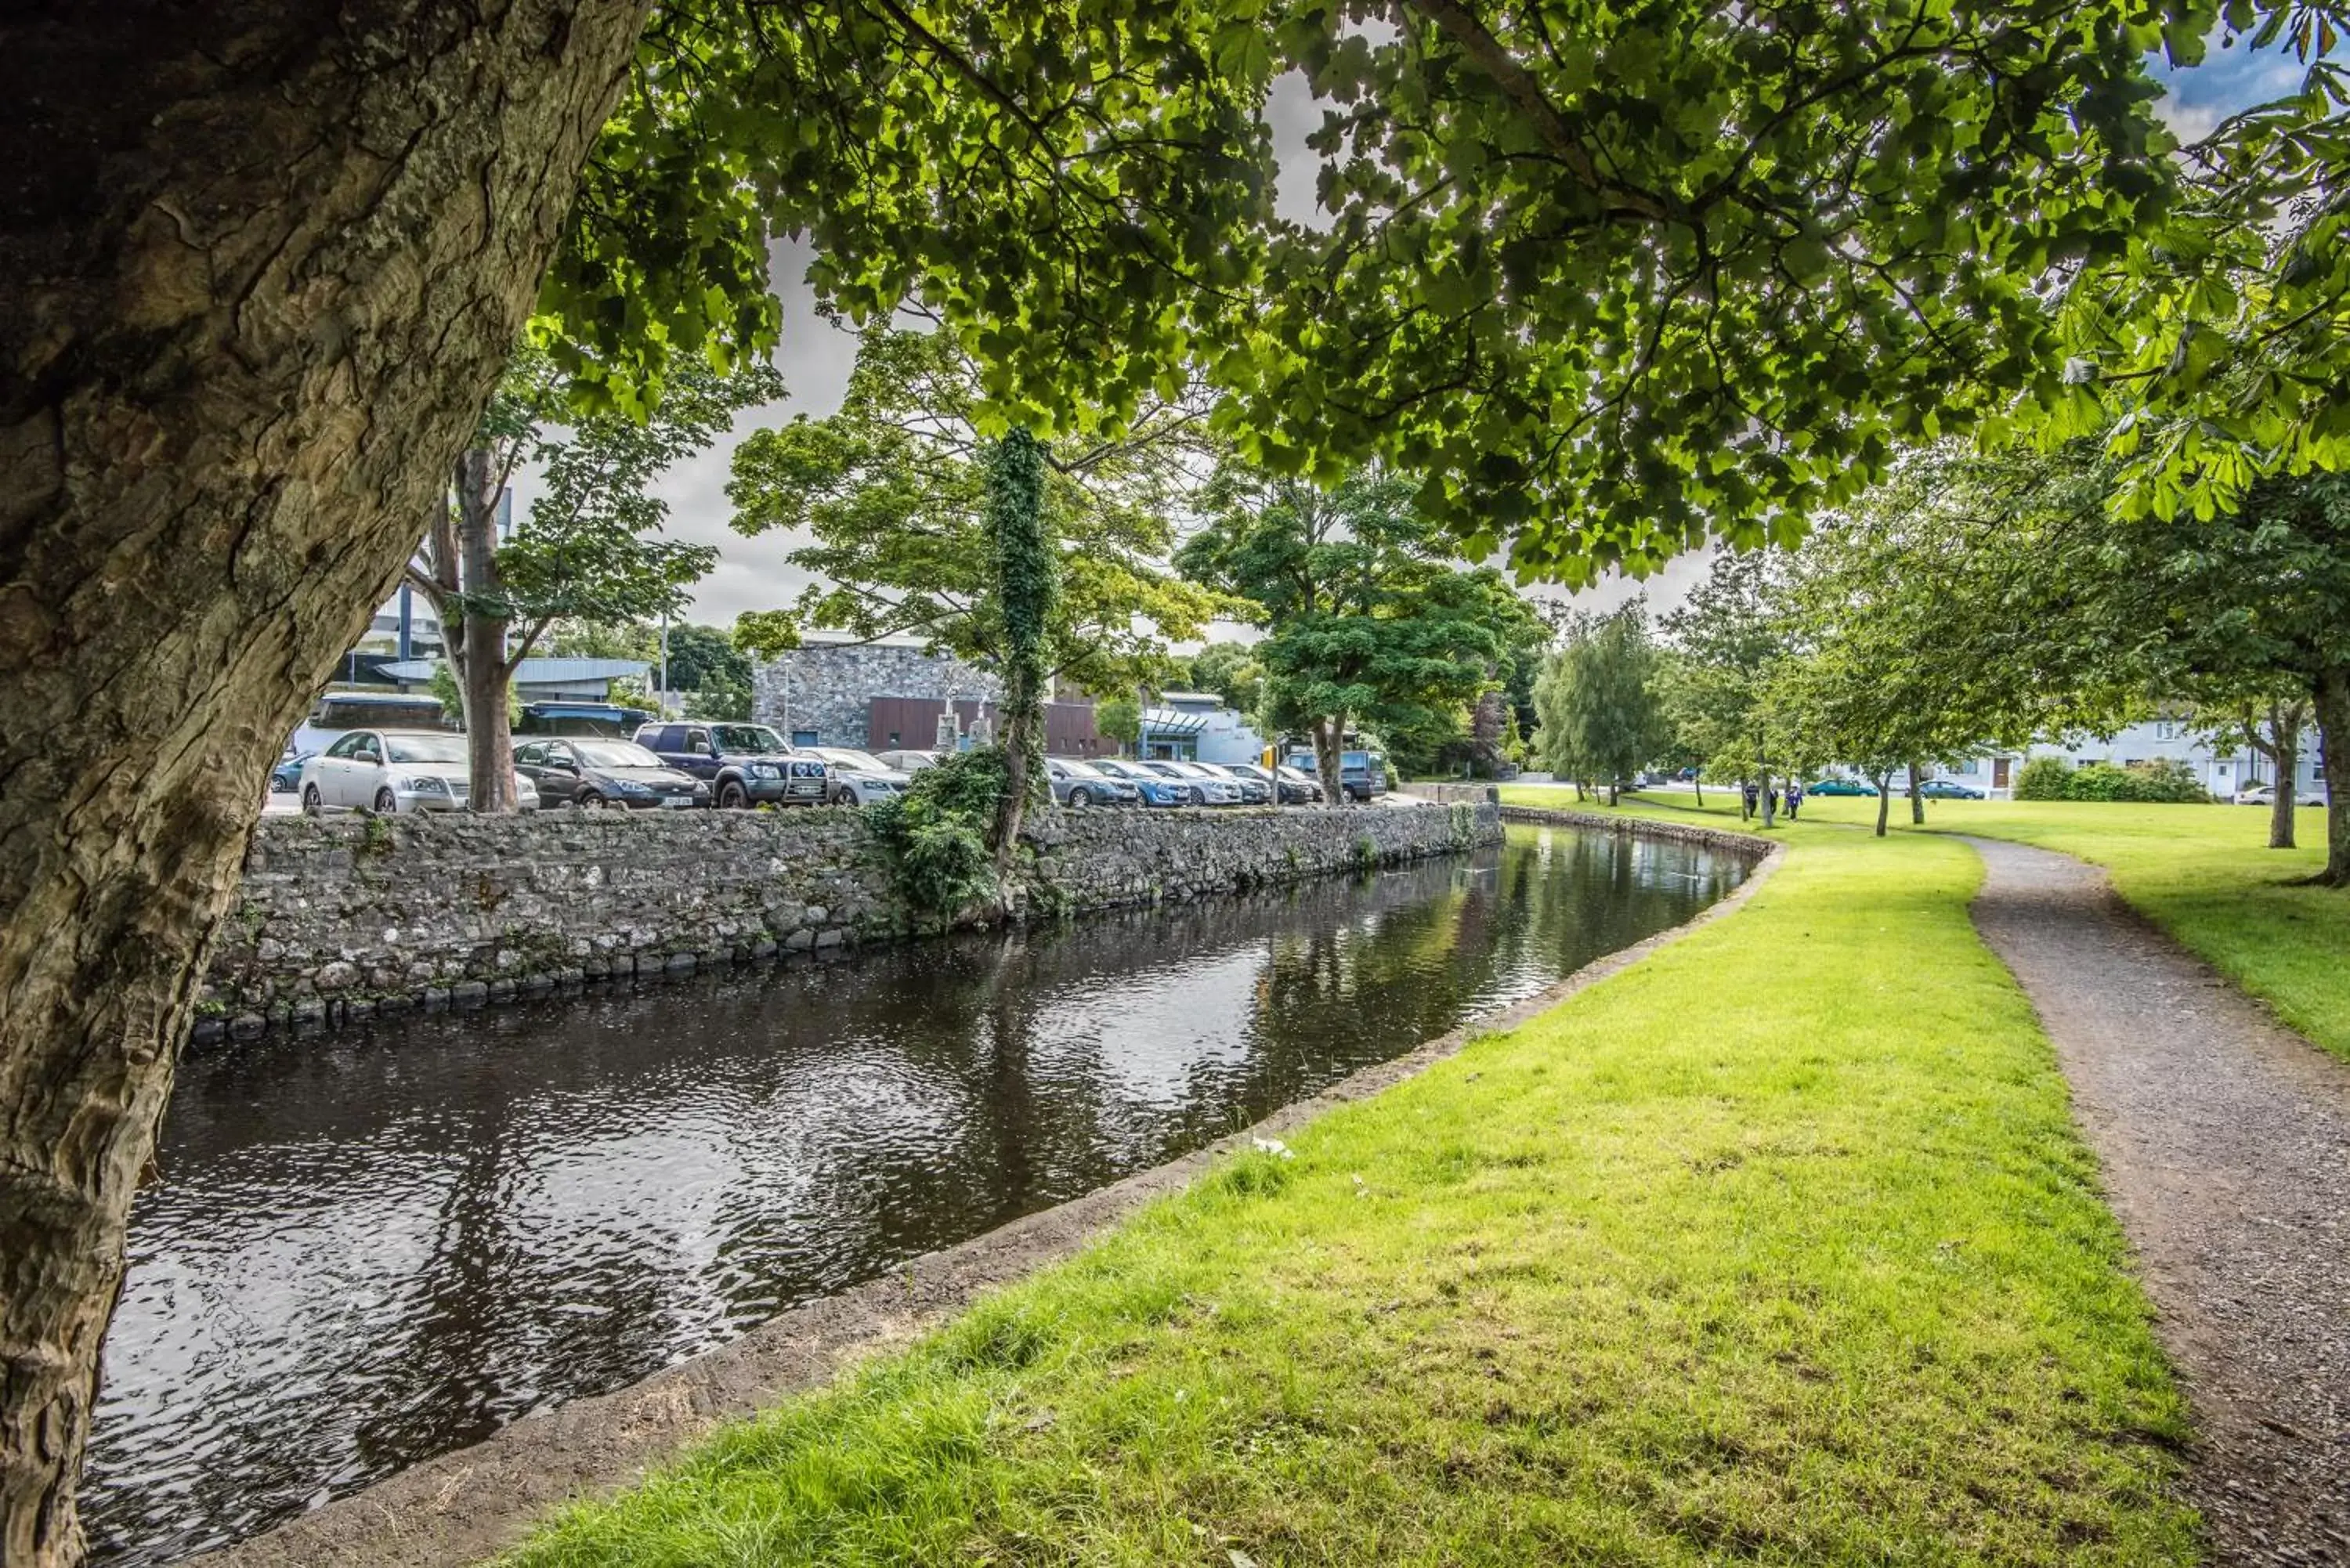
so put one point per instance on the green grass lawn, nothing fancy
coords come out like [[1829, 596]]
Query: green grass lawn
[[2202, 873], [1777, 1247]]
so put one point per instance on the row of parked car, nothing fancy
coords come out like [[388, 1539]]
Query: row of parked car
[[730, 765]]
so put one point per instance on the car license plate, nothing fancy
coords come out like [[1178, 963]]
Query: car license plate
[[672, 800]]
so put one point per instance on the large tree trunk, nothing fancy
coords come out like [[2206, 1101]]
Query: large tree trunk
[[2331, 692], [483, 673], [1328, 731], [1027, 583], [259, 266]]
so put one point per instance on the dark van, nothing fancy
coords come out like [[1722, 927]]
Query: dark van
[[745, 764]]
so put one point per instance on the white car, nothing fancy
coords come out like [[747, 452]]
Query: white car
[[1202, 787], [2265, 795], [389, 771], [908, 761], [858, 778]]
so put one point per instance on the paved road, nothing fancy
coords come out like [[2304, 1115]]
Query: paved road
[[2226, 1144]]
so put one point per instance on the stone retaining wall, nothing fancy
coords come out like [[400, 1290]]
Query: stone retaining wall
[[345, 919], [1725, 838]]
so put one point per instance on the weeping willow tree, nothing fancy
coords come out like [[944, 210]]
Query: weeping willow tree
[[1028, 584]]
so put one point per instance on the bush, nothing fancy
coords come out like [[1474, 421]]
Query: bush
[[2045, 778], [935, 835], [2161, 783]]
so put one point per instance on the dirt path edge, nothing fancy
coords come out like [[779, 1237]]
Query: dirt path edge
[[471, 1504]]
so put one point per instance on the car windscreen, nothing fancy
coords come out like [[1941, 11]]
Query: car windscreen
[[855, 761], [1082, 770], [756, 738], [615, 754], [426, 748]]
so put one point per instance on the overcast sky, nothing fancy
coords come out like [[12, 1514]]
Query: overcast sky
[[815, 357]]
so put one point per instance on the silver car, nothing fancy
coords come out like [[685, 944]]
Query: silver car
[[860, 778], [389, 771], [1076, 783], [908, 761], [1206, 788]]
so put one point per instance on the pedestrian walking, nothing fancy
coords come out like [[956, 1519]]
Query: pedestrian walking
[[1794, 799], [1747, 797]]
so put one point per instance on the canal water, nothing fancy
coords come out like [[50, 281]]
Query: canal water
[[364, 1250]]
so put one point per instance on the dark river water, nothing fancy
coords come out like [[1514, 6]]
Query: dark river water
[[365, 1249]]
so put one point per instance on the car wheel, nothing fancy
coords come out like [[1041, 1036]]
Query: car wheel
[[844, 795], [386, 803], [732, 796], [313, 802], [1199, 797], [1081, 796], [590, 801]]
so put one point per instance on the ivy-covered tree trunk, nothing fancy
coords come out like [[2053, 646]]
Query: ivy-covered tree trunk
[[259, 266], [2332, 691], [1328, 732], [1027, 583]]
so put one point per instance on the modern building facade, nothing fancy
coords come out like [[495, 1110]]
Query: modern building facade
[[1196, 727]]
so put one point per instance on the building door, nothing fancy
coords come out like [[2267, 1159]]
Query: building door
[[1999, 772]]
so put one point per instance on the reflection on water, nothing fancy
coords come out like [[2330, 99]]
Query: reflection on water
[[368, 1250]]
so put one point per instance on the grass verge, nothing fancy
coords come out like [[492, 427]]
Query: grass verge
[[1776, 1247], [2203, 874]]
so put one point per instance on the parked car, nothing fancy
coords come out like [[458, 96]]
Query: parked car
[[597, 775], [1255, 790], [1361, 774], [1154, 787], [1943, 789], [1841, 787], [1080, 783], [286, 776], [389, 771], [1206, 788], [744, 765], [909, 762], [858, 778], [1297, 788], [2265, 795]]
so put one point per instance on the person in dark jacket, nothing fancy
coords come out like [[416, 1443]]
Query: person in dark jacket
[[1794, 799], [1749, 797]]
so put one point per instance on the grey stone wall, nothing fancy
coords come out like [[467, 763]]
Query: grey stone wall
[[827, 687], [353, 917]]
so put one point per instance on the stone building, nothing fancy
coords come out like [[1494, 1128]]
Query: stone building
[[891, 693]]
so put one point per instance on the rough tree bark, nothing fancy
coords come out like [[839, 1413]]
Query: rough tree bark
[[1884, 802], [484, 672], [2332, 695], [1916, 799], [260, 262], [1328, 732]]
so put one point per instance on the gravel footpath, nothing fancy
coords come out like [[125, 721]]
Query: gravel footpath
[[2225, 1139]]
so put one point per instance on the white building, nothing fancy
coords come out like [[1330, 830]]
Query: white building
[[2222, 768], [1196, 726]]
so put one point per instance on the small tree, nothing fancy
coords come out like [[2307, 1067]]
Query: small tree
[[589, 549]]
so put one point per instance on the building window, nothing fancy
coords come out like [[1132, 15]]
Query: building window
[[2166, 730]]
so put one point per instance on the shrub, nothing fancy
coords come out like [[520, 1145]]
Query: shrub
[[935, 835], [2160, 782], [2045, 778]]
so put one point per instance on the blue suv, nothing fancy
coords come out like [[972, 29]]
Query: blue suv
[[745, 764]]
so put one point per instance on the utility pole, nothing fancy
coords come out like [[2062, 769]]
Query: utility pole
[[663, 701]]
